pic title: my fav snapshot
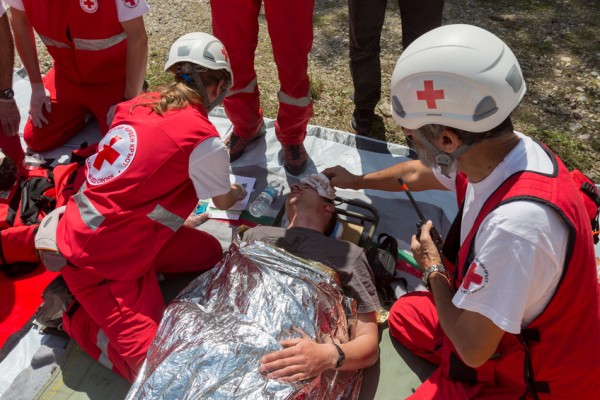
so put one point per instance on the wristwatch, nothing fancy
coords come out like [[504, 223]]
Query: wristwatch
[[8, 94], [434, 268], [341, 356]]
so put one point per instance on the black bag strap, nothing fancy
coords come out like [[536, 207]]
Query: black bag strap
[[389, 243]]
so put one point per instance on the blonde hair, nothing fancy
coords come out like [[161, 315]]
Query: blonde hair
[[179, 94]]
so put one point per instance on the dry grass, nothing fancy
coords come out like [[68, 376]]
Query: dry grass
[[557, 43]]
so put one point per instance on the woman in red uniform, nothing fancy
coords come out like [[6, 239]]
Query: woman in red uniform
[[126, 223]]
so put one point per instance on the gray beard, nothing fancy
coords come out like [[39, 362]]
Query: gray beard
[[427, 158]]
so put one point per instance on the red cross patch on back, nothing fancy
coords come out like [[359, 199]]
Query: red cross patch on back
[[115, 153]]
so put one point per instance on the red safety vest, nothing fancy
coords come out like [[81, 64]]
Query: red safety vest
[[557, 355], [138, 191], [84, 38]]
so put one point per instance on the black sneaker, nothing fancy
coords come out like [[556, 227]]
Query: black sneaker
[[364, 128]]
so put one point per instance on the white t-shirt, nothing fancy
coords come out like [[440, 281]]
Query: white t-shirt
[[126, 9], [519, 248], [209, 168]]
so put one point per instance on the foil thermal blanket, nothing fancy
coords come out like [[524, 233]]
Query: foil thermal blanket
[[214, 333]]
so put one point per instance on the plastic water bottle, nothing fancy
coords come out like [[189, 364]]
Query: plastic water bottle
[[33, 161], [262, 204]]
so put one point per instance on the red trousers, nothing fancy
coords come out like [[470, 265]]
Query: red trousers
[[115, 321], [71, 103], [413, 321], [235, 23]]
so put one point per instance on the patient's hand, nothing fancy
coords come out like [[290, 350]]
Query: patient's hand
[[300, 359]]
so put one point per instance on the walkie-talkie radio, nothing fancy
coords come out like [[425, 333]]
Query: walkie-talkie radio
[[435, 235]]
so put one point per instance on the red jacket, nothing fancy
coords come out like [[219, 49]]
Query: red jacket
[[557, 355], [138, 190], [85, 38]]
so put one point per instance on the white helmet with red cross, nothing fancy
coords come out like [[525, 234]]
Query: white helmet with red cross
[[201, 49], [459, 76]]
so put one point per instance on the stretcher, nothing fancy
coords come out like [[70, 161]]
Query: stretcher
[[357, 219]]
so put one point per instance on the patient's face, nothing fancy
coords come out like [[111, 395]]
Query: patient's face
[[303, 197]]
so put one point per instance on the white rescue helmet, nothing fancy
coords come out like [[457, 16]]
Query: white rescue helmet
[[459, 76], [201, 49]]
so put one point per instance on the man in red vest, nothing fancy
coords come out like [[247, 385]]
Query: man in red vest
[[99, 53], [516, 313], [126, 223]]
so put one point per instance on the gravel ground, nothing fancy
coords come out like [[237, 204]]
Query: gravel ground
[[556, 41]]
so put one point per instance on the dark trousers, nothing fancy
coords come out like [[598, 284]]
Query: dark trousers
[[366, 19]]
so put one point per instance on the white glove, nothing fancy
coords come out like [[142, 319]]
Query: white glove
[[40, 99], [9, 117], [110, 115]]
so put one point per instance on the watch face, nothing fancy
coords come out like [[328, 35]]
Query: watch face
[[8, 94]]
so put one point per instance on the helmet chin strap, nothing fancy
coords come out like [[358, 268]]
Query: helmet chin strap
[[443, 159], [196, 82]]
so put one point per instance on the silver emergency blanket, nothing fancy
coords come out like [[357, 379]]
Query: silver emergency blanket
[[212, 336]]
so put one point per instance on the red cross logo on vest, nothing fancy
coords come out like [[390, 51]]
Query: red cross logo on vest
[[89, 6], [472, 277], [116, 152], [131, 3], [107, 154], [430, 95]]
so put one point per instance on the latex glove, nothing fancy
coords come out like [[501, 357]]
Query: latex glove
[[9, 117], [40, 99], [110, 115]]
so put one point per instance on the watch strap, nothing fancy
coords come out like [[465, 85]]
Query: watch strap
[[341, 356], [434, 268]]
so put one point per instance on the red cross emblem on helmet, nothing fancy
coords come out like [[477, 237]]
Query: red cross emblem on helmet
[[89, 6], [430, 95], [116, 152]]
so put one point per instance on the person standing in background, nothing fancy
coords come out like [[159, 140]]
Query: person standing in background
[[235, 23], [366, 22]]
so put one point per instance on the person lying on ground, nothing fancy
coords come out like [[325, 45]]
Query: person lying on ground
[[274, 319], [312, 217]]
